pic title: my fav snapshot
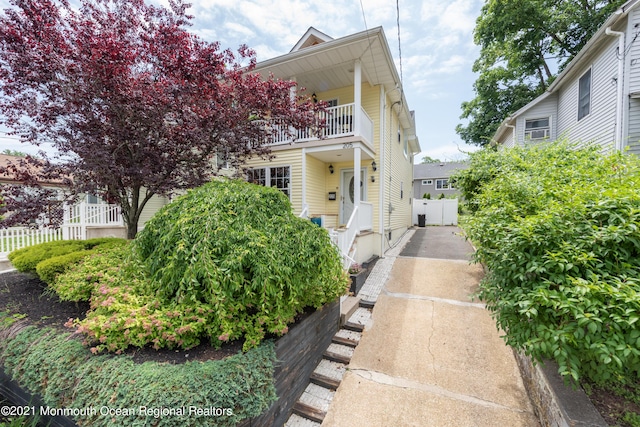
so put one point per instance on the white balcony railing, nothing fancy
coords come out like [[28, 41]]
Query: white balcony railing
[[339, 121]]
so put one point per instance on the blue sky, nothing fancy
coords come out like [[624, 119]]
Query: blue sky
[[436, 41]]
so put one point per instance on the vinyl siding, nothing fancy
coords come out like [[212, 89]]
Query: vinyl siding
[[153, 205], [599, 125], [633, 67], [544, 109], [400, 180], [293, 159]]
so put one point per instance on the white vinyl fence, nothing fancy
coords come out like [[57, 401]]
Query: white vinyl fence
[[437, 212], [76, 220], [18, 237]]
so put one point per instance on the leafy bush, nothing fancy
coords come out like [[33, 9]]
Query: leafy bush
[[26, 259], [237, 249], [50, 268], [559, 231], [46, 362], [76, 284]]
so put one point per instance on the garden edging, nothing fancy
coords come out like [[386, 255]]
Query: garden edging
[[555, 403]]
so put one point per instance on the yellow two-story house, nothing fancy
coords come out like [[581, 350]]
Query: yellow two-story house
[[355, 180]]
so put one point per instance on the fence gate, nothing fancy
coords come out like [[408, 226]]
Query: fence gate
[[437, 212]]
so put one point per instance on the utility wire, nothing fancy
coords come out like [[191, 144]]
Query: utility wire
[[399, 44]]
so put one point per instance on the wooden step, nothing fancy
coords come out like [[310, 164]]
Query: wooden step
[[350, 326], [335, 357], [367, 304], [324, 381], [309, 412], [344, 341]]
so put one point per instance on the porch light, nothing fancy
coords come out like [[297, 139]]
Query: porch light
[[331, 169], [374, 166]]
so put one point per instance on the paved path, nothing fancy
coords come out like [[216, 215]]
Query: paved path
[[431, 355]]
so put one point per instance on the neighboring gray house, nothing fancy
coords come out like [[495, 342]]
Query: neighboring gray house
[[433, 179], [597, 96]]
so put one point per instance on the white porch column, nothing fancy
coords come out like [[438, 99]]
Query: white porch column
[[356, 178], [357, 96], [304, 178]]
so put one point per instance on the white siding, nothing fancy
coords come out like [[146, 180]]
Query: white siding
[[599, 125], [544, 109]]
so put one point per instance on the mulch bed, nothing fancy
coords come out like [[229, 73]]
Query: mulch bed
[[25, 294]]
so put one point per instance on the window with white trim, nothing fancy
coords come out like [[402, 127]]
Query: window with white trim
[[537, 128], [443, 184], [584, 95], [278, 177], [427, 182]]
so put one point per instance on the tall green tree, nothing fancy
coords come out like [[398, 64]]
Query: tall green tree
[[523, 45]]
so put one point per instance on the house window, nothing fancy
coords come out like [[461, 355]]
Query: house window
[[405, 147], [427, 182], [537, 128], [278, 177], [443, 184], [92, 200], [222, 159], [332, 103], [584, 95]]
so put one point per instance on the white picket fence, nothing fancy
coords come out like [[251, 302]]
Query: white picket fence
[[15, 238], [76, 219]]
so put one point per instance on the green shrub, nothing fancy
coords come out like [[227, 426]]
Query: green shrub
[[238, 248], [47, 362], [26, 259], [50, 268], [104, 261], [558, 229]]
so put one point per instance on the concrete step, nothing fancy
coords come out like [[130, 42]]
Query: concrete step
[[339, 353], [311, 408], [296, 420], [349, 335], [332, 370], [348, 307]]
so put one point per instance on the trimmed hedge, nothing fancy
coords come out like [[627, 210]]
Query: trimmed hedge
[[50, 259], [26, 259], [67, 375], [558, 228]]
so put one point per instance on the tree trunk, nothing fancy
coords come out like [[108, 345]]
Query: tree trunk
[[132, 230]]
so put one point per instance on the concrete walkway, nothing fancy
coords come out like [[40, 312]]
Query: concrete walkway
[[431, 355]]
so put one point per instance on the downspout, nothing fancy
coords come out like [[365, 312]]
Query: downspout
[[620, 85], [381, 176]]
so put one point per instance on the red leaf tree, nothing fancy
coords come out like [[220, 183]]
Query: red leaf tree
[[132, 102]]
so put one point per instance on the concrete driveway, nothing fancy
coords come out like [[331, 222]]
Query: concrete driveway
[[432, 355]]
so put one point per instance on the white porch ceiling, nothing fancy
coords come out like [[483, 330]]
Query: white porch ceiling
[[330, 65]]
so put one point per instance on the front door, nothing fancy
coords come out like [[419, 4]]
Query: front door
[[347, 193]]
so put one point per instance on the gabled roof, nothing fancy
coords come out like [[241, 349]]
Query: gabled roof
[[437, 170], [311, 38], [573, 66], [328, 64]]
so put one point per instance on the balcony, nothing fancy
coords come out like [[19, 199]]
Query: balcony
[[339, 122]]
